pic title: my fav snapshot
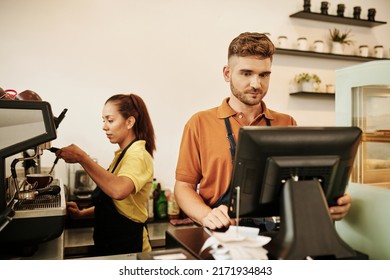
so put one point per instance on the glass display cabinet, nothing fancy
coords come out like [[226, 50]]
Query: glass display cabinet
[[363, 100], [370, 112]]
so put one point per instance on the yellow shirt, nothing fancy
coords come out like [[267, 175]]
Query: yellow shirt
[[137, 164]]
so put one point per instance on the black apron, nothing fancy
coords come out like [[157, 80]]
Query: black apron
[[224, 199], [113, 232]]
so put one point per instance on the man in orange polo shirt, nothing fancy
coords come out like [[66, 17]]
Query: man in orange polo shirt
[[204, 166]]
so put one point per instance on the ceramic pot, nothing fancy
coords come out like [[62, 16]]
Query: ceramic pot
[[307, 86], [337, 48]]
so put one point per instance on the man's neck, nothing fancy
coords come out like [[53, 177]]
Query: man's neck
[[250, 112]]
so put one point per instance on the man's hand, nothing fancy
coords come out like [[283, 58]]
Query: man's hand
[[217, 218], [341, 210]]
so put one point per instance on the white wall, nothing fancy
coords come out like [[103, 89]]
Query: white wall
[[77, 53]]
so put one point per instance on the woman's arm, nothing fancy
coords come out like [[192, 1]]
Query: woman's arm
[[116, 187]]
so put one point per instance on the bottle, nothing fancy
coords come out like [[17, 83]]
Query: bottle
[[154, 184], [162, 206], [156, 195], [150, 206], [173, 208]]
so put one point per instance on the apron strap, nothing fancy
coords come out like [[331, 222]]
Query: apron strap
[[224, 199], [122, 155], [230, 137]]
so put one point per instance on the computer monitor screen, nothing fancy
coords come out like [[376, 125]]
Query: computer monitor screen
[[266, 157]]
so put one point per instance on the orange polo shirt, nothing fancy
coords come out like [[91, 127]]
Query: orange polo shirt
[[204, 156]]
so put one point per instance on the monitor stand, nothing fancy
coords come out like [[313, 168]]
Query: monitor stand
[[306, 227]]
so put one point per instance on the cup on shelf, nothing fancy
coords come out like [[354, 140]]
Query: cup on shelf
[[318, 46], [363, 50], [356, 12], [329, 88], [371, 14], [324, 7], [282, 42], [340, 10], [302, 44], [378, 51], [306, 5]]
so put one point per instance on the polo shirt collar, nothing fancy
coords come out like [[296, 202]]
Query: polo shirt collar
[[225, 111]]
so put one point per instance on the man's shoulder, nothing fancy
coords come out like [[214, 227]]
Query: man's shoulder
[[279, 114], [282, 118]]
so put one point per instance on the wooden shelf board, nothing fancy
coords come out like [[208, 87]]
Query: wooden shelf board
[[309, 93], [336, 19], [326, 55]]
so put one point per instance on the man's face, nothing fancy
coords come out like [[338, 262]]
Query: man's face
[[248, 77]]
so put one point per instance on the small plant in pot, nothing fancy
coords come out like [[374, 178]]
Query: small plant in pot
[[307, 82], [339, 39]]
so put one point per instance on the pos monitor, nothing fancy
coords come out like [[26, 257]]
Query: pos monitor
[[295, 173]]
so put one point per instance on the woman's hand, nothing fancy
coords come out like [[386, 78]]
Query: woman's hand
[[71, 154], [73, 210]]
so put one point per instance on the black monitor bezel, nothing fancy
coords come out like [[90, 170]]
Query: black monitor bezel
[[48, 119], [258, 147]]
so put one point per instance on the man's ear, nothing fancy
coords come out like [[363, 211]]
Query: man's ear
[[226, 73]]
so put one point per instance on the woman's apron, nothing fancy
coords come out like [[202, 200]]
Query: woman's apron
[[113, 232]]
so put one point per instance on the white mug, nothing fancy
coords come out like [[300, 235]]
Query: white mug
[[318, 46], [330, 88], [378, 51], [302, 44], [282, 42], [363, 50]]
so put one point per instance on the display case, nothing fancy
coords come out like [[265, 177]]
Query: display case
[[363, 100], [370, 112]]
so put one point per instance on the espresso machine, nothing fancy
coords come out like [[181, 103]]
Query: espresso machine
[[27, 221]]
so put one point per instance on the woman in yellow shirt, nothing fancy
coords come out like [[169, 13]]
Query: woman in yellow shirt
[[120, 198]]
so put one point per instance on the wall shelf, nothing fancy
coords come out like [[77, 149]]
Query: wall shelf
[[326, 55], [336, 19], [309, 93]]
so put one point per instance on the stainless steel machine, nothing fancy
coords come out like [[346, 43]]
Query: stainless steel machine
[[28, 216]]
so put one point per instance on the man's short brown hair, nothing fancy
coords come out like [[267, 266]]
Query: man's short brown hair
[[251, 44]]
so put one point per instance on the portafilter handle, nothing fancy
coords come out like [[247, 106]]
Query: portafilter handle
[[53, 190]]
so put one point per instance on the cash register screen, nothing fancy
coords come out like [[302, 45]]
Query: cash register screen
[[266, 157]]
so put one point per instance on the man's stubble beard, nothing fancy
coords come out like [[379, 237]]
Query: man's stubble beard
[[243, 98]]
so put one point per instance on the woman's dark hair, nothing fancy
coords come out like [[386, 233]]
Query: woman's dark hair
[[133, 105]]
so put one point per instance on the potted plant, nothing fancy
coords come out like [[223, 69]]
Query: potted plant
[[339, 39], [307, 82]]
